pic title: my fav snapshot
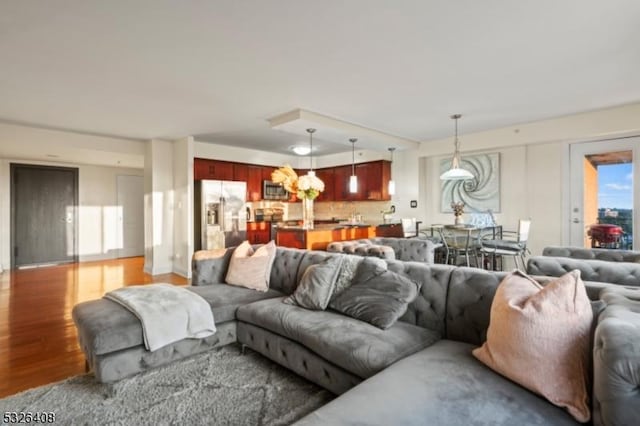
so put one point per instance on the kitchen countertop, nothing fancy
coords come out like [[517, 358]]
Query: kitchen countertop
[[323, 227]]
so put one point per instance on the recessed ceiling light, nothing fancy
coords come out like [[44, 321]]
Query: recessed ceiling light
[[300, 149]]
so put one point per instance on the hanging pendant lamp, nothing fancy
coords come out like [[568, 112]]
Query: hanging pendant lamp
[[311, 172], [455, 172], [353, 180], [392, 183]]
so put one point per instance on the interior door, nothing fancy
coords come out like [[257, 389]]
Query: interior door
[[130, 204], [44, 202], [599, 197]]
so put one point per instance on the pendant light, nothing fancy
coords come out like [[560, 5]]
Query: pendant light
[[311, 172], [353, 180], [455, 172], [392, 184]]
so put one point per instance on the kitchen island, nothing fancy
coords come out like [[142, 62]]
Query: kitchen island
[[319, 237]]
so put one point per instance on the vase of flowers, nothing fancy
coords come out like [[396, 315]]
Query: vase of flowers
[[458, 210], [306, 187]]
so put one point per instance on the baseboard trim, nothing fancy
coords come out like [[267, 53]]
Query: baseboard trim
[[158, 270]]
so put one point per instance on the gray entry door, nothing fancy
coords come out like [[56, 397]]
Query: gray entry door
[[44, 203]]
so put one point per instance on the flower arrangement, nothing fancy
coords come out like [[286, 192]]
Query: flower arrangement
[[307, 186], [458, 209]]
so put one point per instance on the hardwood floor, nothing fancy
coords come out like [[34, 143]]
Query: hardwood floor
[[38, 341]]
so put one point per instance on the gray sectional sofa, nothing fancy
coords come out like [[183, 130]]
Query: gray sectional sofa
[[418, 371], [406, 249], [621, 267]]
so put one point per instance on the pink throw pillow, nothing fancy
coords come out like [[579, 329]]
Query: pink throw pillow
[[251, 269], [539, 338]]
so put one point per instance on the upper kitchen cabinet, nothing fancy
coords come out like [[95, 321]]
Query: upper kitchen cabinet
[[376, 183], [341, 183], [212, 169], [254, 183], [326, 176], [240, 172], [373, 181]]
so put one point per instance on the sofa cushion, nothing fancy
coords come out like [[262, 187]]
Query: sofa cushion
[[317, 285], [251, 268], [531, 325], [105, 326], [224, 299], [376, 296], [353, 345], [441, 385]]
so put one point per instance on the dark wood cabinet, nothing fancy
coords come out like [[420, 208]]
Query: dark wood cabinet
[[266, 172], [254, 183], [341, 183], [240, 172], [376, 182], [326, 176], [212, 169], [258, 232], [373, 179]]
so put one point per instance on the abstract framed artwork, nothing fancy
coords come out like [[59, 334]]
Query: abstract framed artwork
[[479, 194]]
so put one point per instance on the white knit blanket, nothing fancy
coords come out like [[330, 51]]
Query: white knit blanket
[[167, 313]]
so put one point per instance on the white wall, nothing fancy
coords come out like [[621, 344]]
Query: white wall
[[183, 206], [98, 212], [99, 159], [97, 216], [159, 207], [33, 143], [241, 155], [534, 168]]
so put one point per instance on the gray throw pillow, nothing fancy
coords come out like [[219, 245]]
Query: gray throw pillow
[[376, 296], [317, 284], [347, 272]]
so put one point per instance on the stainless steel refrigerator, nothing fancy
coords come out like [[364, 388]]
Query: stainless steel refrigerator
[[223, 214]]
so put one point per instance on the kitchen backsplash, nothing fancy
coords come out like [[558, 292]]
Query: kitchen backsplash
[[371, 211]]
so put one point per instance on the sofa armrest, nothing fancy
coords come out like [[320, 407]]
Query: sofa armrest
[[210, 266], [616, 359]]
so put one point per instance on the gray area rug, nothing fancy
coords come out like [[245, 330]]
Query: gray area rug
[[220, 387]]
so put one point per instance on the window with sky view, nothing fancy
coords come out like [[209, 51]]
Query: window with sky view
[[615, 197]]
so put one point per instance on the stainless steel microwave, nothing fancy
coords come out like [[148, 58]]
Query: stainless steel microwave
[[273, 191]]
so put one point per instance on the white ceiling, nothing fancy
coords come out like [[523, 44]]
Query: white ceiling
[[219, 69]]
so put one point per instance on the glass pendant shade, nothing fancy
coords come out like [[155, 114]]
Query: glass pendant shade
[[353, 180], [392, 187], [353, 184], [455, 172]]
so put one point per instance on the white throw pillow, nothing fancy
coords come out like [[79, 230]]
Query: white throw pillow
[[251, 269]]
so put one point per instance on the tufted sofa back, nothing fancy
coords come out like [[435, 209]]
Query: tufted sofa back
[[409, 249], [284, 273], [211, 268], [623, 273], [593, 254], [428, 310], [471, 292]]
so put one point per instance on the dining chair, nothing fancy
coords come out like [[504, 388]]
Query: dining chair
[[515, 244], [409, 227], [461, 241]]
